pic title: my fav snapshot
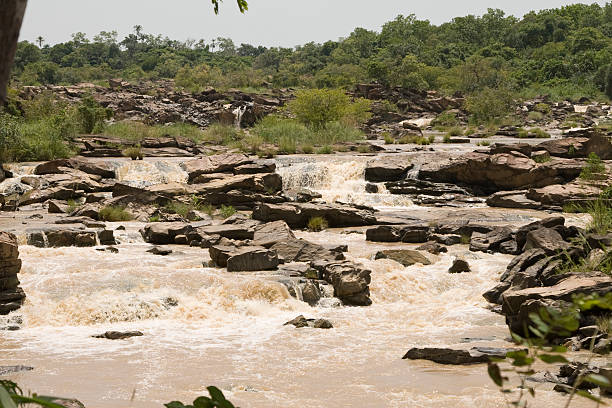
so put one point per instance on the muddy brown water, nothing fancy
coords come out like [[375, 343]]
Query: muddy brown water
[[227, 328]]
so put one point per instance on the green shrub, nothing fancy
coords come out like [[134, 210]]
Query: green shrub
[[446, 138], [220, 134], [307, 149], [72, 206], [431, 138], [317, 107], [364, 148], [535, 116], [543, 108], [134, 153], [489, 105], [594, 170], [388, 138], [545, 158], [112, 213], [154, 218], [456, 131], [539, 133], [483, 143], [445, 120], [327, 149], [227, 211], [92, 115], [317, 224]]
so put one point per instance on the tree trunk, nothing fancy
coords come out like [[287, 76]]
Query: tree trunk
[[11, 16]]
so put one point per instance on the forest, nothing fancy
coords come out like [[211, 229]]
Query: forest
[[564, 52]]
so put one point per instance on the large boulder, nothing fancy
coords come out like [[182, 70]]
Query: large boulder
[[512, 199], [415, 234], [571, 147], [252, 258], [297, 215], [349, 280], [163, 233], [502, 171], [547, 239], [386, 169], [270, 233], [300, 250], [214, 164], [493, 240]]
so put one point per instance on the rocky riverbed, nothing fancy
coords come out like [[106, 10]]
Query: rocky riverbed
[[415, 238]]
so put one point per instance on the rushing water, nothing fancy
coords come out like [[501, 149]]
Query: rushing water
[[205, 326]]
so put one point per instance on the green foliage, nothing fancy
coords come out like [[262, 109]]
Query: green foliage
[[221, 134], [446, 138], [11, 396], [137, 131], [92, 115], [595, 169], [489, 105], [388, 138], [545, 158], [456, 131], [445, 120], [216, 400], [318, 107], [113, 213], [317, 224], [327, 149], [227, 211], [608, 81]]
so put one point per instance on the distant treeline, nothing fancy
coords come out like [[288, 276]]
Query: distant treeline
[[565, 52]]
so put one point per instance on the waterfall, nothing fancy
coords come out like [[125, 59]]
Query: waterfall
[[413, 173], [238, 113]]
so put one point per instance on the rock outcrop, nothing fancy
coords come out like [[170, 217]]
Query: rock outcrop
[[11, 295]]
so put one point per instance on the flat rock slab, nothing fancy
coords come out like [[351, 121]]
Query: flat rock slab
[[115, 335], [475, 355], [5, 370]]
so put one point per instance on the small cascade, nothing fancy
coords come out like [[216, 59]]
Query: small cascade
[[336, 179], [413, 173], [238, 113]]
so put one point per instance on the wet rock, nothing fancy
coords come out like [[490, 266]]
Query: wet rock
[[110, 249], [428, 188], [219, 254], [163, 233], [106, 237], [475, 355], [571, 147], [117, 335], [56, 238], [311, 292], [6, 370], [406, 257], [386, 169], [229, 231], [371, 188], [432, 247], [252, 259], [297, 215], [418, 233], [301, 321], [446, 239], [159, 251], [300, 250], [491, 241], [349, 280], [259, 166], [459, 266], [494, 295]]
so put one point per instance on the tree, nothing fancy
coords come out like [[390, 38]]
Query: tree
[[40, 41], [608, 81], [11, 17]]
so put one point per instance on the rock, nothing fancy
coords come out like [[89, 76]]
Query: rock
[[386, 169], [57, 207], [11, 295], [252, 259], [418, 233], [110, 249], [491, 241], [268, 234], [547, 239], [432, 247], [163, 233], [297, 215], [106, 237], [550, 222], [494, 295], [503, 171], [259, 166], [406, 257], [311, 292], [116, 335], [560, 194], [301, 321], [422, 187], [512, 199], [474, 355], [214, 164], [459, 266], [52, 167], [300, 250], [564, 290], [55, 238], [349, 280], [219, 254], [229, 231], [96, 167], [446, 239], [571, 147], [5, 370], [159, 251], [601, 241]]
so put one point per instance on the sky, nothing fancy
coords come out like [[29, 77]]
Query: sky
[[284, 23]]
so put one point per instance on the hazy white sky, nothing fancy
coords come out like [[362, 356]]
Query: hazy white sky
[[268, 22]]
